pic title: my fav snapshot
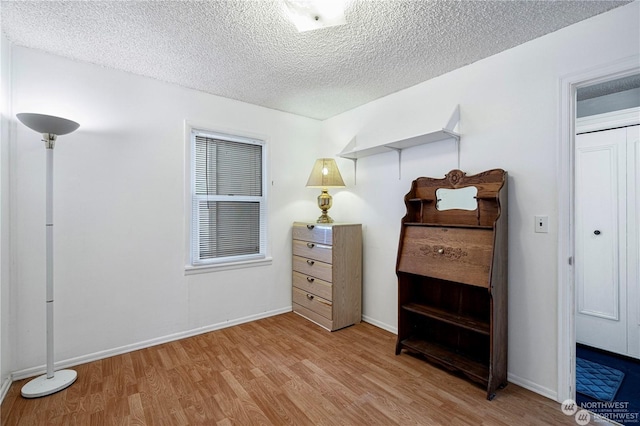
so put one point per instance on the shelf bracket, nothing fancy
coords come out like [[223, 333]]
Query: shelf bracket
[[458, 151], [453, 121], [399, 151], [355, 171], [351, 146]]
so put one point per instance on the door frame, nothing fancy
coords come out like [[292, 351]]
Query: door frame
[[608, 120], [569, 84]]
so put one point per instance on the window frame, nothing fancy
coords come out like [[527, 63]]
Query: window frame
[[193, 265]]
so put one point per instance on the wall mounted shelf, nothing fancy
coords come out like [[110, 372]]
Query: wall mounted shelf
[[353, 152]]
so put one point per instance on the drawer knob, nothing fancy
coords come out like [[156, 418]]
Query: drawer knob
[[310, 262], [310, 226], [309, 279], [309, 296], [441, 251], [311, 245]]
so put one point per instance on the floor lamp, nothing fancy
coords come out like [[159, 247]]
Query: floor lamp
[[50, 127]]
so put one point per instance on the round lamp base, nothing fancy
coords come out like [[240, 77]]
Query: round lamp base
[[41, 386], [324, 218]]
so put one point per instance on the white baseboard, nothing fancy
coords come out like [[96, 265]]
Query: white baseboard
[[4, 387], [533, 387], [380, 324], [35, 371]]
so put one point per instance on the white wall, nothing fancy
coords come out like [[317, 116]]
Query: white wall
[[5, 125], [509, 119], [119, 211]]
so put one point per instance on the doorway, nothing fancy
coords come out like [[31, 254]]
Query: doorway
[[607, 316], [567, 292]]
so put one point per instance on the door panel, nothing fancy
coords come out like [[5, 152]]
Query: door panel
[[597, 241], [601, 317]]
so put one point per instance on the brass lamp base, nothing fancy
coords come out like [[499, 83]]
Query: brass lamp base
[[324, 202], [324, 218]]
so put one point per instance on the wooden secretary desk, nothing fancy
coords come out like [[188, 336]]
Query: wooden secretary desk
[[452, 275]]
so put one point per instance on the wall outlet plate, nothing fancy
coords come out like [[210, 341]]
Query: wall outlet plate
[[541, 224]]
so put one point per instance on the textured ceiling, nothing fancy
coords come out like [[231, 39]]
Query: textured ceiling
[[248, 50]]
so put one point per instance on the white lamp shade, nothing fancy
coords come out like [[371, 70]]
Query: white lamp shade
[[42, 123]]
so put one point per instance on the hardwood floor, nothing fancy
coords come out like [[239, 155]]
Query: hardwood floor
[[275, 371]]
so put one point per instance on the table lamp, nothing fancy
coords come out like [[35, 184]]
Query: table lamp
[[325, 174]]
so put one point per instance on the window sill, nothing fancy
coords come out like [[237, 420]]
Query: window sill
[[203, 269]]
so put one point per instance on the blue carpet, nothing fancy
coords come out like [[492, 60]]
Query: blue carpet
[[629, 392], [596, 380]]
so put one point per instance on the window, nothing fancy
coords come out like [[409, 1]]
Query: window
[[228, 203]]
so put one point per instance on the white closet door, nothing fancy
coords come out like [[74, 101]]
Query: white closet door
[[601, 308]]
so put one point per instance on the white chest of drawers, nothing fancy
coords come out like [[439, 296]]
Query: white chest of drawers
[[327, 273]]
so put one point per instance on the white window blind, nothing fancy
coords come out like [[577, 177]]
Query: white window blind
[[228, 210]]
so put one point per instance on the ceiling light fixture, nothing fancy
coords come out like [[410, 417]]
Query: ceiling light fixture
[[309, 15]]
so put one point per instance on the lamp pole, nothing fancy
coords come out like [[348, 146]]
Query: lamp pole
[[50, 141]]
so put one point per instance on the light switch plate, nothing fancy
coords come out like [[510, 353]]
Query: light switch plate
[[541, 224]]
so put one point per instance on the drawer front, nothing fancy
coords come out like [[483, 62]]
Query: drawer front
[[310, 315], [311, 250], [312, 302], [313, 285], [455, 254], [316, 233], [313, 268]]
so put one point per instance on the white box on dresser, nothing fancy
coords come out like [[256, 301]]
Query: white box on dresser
[[327, 273]]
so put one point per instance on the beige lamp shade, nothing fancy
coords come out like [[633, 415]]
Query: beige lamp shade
[[325, 174]]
